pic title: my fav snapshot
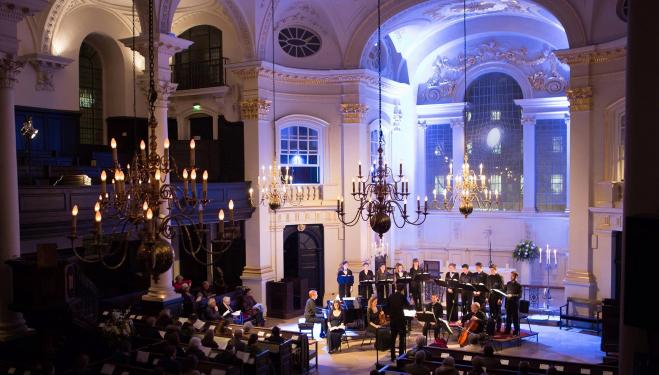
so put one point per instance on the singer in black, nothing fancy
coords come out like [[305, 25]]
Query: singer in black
[[451, 294], [495, 281], [366, 275], [398, 303], [345, 283], [438, 310], [513, 293], [381, 275], [466, 296], [415, 286], [479, 277]]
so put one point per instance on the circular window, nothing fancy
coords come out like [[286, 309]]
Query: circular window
[[299, 42]]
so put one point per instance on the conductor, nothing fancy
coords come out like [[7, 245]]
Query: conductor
[[398, 303]]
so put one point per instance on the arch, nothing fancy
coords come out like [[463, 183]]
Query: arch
[[614, 115], [561, 9], [473, 74], [311, 122], [90, 92]]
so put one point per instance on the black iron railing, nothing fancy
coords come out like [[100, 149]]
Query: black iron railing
[[200, 74]]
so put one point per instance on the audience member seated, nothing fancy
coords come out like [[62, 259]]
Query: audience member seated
[[173, 339], [447, 367], [247, 327], [524, 367], [236, 342], [552, 370], [164, 319], [225, 309], [252, 308], [194, 348], [178, 283], [275, 336], [205, 293], [189, 366], [187, 329], [252, 347], [212, 311], [477, 366], [208, 340], [151, 331], [420, 346], [418, 368], [168, 362], [188, 300], [489, 361], [81, 365]]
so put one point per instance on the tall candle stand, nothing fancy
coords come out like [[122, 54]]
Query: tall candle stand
[[550, 262]]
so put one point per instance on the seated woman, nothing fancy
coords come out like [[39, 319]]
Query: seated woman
[[252, 308], [209, 340], [178, 283], [188, 299], [374, 320], [336, 320]]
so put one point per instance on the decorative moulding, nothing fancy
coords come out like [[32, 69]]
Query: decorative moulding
[[46, 66]]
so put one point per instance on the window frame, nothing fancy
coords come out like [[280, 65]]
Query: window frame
[[310, 122]]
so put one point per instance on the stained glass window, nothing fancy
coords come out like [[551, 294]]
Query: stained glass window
[[299, 150], [439, 154], [494, 135], [550, 165], [91, 95]]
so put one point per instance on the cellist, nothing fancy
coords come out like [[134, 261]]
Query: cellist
[[474, 318]]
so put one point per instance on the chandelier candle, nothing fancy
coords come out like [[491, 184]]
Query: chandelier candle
[[193, 178], [220, 216], [97, 223], [192, 154], [185, 182], [231, 211], [165, 157], [113, 146], [74, 220], [142, 151], [104, 177], [204, 186]]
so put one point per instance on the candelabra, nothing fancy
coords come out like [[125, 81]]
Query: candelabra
[[144, 206], [549, 267], [277, 190], [381, 195]]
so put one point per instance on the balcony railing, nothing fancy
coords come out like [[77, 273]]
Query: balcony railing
[[200, 74]]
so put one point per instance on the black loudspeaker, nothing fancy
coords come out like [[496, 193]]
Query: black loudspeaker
[[616, 264], [641, 256], [524, 306]]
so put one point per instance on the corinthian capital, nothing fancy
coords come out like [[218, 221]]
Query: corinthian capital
[[9, 70], [254, 109], [353, 113], [581, 98]]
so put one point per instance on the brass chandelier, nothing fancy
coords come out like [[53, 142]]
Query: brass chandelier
[[468, 188], [142, 205], [381, 194]]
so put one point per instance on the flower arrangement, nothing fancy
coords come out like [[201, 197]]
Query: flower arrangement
[[117, 328], [526, 251]]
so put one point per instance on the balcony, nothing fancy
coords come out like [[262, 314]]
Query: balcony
[[200, 74]]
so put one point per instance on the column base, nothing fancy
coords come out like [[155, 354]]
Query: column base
[[529, 209], [153, 307], [255, 279], [14, 329]]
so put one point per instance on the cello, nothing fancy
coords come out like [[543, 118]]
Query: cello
[[470, 327]]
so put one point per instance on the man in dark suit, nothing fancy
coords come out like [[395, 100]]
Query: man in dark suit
[[436, 307], [310, 315], [513, 293], [495, 281], [398, 303], [451, 294], [466, 296]]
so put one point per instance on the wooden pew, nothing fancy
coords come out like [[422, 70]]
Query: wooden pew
[[512, 362]]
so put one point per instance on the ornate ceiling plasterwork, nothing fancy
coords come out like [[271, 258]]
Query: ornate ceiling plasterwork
[[544, 71], [450, 11]]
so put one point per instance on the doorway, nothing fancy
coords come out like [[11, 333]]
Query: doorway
[[304, 256]]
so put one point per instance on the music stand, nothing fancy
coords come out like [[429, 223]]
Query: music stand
[[421, 278], [386, 287], [345, 280], [368, 286], [426, 317]]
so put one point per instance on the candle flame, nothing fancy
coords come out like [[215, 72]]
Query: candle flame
[[231, 204], [192, 144], [220, 215], [142, 145], [113, 143], [98, 217], [149, 214], [74, 210], [166, 143], [205, 175]]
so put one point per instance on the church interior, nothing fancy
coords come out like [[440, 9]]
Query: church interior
[[328, 186]]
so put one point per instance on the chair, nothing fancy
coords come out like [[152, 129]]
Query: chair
[[524, 306], [302, 325]]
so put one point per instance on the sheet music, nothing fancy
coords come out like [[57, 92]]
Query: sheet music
[[409, 313], [499, 291], [142, 357], [107, 369], [222, 342], [206, 350], [243, 356], [236, 313], [199, 324]]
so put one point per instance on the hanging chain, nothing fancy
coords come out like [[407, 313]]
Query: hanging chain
[[153, 95], [134, 80], [464, 57], [381, 136], [274, 106]]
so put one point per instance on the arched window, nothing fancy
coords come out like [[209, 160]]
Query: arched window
[[494, 135], [201, 65], [91, 95], [439, 154], [300, 152], [550, 165]]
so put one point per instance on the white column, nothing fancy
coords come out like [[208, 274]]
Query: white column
[[259, 151], [528, 123], [567, 167], [458, 135], [11, 323]]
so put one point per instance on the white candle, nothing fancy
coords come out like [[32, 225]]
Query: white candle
[[555, 257], [540, 261]]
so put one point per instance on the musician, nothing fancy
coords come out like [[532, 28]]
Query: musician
[[438, 310], [415, 286], [310, 315], [375, 317], [400, 275], [345, 285], [513, 293], [336, 325], [495, 281], [366, 275], [476, 314], [479, 277], [398, 303], [382, 275], [451, 295], [466, 296]]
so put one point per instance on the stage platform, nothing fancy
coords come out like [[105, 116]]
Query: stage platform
[[574, 345]]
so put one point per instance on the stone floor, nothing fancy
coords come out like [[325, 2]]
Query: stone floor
[[574, 345]]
